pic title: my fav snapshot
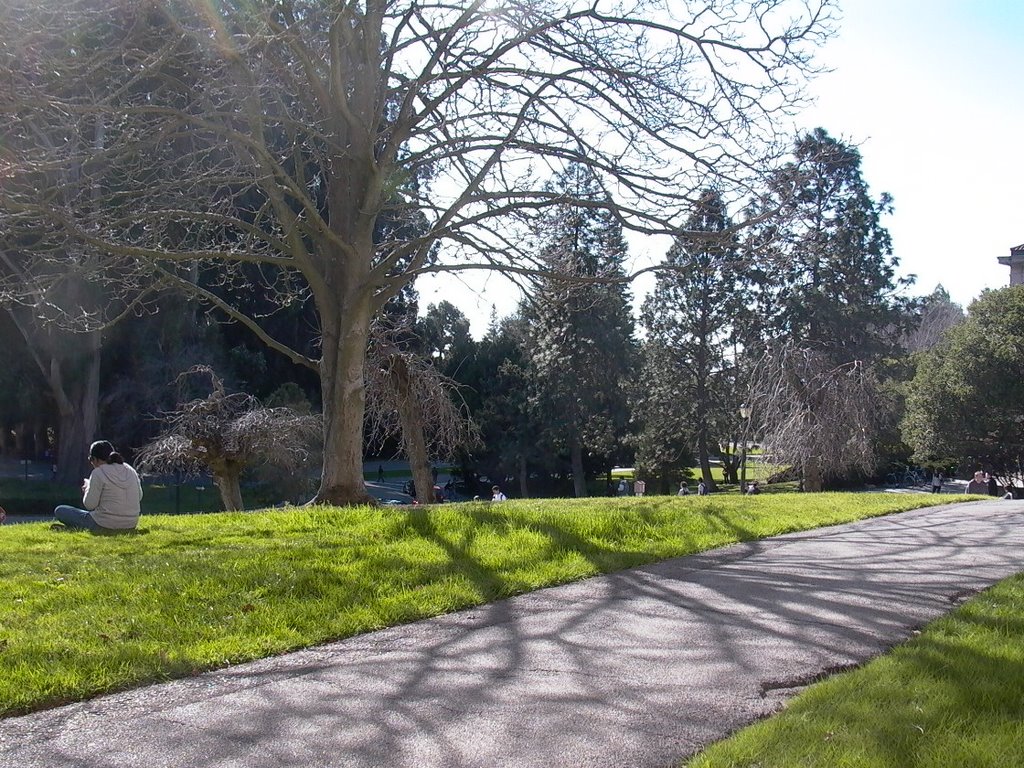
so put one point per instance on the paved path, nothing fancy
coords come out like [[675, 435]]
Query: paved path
[[639, 668]]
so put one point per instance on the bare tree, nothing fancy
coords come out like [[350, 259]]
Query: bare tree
[[408, 397], [813, 414], [937, 313], [70, 365], [263, 145], [226, 432]]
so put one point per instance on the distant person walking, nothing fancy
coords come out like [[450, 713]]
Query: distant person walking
[[937, 479], [993, 487], [111, 494], [623, 487], [702, 488], [978, 485], [380, 473]]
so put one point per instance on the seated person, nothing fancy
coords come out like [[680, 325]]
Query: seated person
[[111, 495]]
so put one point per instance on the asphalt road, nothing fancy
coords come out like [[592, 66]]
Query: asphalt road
[[639, 668]]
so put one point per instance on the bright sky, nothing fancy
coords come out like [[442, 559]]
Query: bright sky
[[932, 91]]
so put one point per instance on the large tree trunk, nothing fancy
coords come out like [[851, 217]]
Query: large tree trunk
[[78, 404], [346, 328], [579, 480], [704, 456], [70, 362]]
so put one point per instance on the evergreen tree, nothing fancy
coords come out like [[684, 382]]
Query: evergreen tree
[[583, 348], [501, 376], [835, 286], [834, 300], [966, 403], [690, 320], [444, 337]]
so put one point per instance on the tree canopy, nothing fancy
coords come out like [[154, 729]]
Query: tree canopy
[[966, 403], [231, 148]]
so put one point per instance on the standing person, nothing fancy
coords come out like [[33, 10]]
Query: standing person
[[497, 495], [684, 489], [992, 488], [111, 494], [702, 488], [978, 484], [937, 481], [380, 473], [639, 487], [623, 487]]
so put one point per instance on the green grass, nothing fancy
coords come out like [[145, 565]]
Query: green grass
[[82, 614], [953, 696]]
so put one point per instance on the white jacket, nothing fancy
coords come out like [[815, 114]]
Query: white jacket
[[113, 493]]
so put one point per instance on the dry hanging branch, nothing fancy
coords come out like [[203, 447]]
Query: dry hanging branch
[[408, 397], [812, 414]]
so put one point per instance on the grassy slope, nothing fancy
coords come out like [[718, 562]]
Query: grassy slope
[[953, 696], [83, 614]]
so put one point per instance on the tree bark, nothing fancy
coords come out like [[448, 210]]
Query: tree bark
[[345, 336], [70, 363], [227, 476], [413, 436], [524, 491], [812, 476], [702, 453], [579, 480], [78, 405]]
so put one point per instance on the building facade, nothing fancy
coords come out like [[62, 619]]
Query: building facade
[[1015, 261]]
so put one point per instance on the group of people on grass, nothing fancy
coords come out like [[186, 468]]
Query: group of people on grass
[[752, 488]]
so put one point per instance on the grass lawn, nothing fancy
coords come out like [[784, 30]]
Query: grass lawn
[[952, 696], [82, 614]]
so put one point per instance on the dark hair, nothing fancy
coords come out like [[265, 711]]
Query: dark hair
[[104, 451]]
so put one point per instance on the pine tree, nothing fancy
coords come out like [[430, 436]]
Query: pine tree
[[834, 300], [690, 320], [583, 348], [835, 285]]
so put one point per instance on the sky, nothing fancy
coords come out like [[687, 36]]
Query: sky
[[932, 92]]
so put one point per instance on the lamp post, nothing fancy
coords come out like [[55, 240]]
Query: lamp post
[[745, 415]]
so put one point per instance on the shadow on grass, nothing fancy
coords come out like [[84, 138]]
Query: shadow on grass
[[617, 664]]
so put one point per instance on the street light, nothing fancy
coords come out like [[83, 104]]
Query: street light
[[745, 411]]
